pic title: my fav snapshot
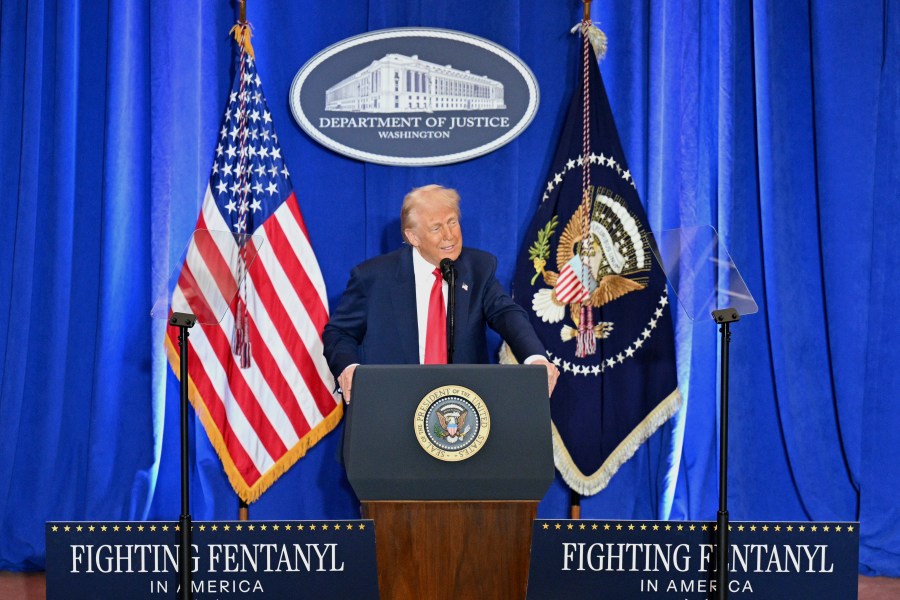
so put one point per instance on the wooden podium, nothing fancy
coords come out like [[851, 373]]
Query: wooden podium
[[453, 528]]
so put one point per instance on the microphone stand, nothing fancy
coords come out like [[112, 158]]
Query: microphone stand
[[184, 321], [724, 317], [449, 274]]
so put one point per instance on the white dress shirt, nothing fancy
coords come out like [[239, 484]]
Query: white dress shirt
[[424, 275]]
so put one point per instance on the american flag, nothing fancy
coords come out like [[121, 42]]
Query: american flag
[[258, 378]]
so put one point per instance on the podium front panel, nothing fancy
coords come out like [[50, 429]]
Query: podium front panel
[[386, 461]]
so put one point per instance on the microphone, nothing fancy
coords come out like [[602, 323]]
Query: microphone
[[447, 269]]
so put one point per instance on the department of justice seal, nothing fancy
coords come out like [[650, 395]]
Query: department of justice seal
[[452, 423]]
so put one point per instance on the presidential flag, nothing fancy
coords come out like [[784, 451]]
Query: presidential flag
[[597, 298], [258, 378]]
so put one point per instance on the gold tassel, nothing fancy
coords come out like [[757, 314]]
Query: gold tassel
[[241, 34], [595, 36], [598, 41]]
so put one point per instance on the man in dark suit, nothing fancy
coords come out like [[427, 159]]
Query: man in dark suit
[[382, 316]]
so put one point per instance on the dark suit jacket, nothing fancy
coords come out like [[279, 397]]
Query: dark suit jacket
[[375, 320]]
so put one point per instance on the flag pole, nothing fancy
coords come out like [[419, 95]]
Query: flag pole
[[243, 507], [575, 497]]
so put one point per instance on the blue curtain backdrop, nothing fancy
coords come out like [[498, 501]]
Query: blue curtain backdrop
[[778, 123]]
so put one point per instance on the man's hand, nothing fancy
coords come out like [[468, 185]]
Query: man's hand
[[552, 373], [345, 381]]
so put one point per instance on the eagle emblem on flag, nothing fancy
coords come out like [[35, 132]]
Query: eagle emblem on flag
[[602, 255]]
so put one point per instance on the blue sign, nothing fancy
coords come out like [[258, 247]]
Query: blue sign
[[677, 560], [230, 559], [414, 97]]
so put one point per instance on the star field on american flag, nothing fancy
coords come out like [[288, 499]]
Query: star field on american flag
[[249, 178]]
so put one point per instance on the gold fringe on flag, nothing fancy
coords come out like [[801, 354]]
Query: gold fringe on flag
[[241, 34], [248, 493]]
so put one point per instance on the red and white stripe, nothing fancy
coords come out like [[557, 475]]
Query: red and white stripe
[[569, 287]]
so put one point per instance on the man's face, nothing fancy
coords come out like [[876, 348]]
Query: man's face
[[436, 231]]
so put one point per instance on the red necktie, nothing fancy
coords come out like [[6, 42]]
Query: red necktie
[[436, 332]]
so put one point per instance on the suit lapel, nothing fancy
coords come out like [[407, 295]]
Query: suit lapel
[[404, 308], [464, 281]]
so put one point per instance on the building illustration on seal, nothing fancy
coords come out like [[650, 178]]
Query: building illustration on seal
[[398, 83]]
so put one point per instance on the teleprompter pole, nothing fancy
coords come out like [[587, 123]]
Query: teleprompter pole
[[184, 321], [724, 317]]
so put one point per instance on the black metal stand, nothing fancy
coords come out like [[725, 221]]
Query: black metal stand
[[184, 321], [449, 274], [724, 317]]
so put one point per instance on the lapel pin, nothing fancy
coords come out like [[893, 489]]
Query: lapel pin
[[465, 287]]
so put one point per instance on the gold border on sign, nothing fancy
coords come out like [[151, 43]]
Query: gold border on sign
[[419, 423]]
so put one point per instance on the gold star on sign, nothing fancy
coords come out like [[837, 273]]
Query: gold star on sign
[[825, 528], [140, 527], [128, 528], [753, 528], [594, 527], [704, 527], [287, 527], [668, 527], [655, 527], [238, 527], [815, 527], [251, 527], [325, 527], [115, 528], [312, 527], [692, 527], [680, 527], [79, 528], [546, 526], [202, 527], [837, 528], [740, 527], [362, 525], [643, 527], [581, 526], [558, 526], [631, 527], [790, 527], [618, 527], [263, 527], [606, 526], [55, 528], [802, 528], [849, 528], [569, 526], [275, 527], [214, 527], [226, 527], [91, 528], [778, 528], [152, 528]]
